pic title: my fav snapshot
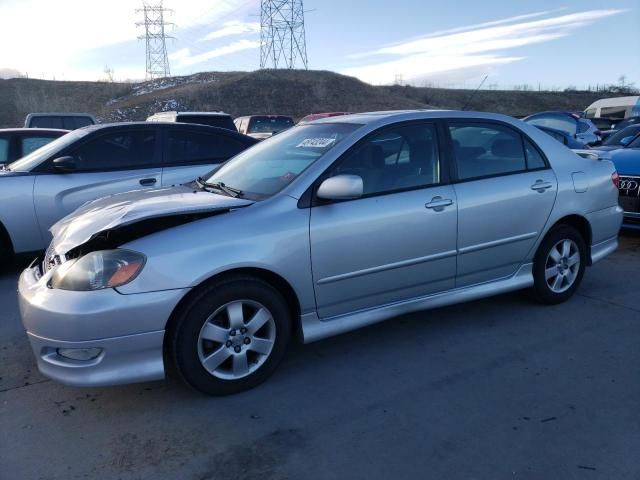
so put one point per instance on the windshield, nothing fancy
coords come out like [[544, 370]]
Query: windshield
[[269, 124], [35, 158], [617, 137], [635, 143], [266, 168]]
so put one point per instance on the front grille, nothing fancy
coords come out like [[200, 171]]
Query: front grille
[[630, 193]]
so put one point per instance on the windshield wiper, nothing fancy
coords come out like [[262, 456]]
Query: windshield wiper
[[232, 192]]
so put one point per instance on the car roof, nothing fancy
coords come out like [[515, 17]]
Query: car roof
[[190, 126], [402, 115], [211, 114], [34, 130], [59, 114]]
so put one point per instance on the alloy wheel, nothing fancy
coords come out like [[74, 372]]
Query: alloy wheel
[[562, 266], [236, 339]]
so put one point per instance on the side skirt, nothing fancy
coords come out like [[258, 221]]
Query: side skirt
[[314, 328]]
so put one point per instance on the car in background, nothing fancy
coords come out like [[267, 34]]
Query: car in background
[[627, 162], [320, 230], [212, 119], [579, 128], [16, 143], [616, 127], [317, 116], [621, 138], [41, 188], [65, 121], [563, 137], [263, 126], [616, 108]]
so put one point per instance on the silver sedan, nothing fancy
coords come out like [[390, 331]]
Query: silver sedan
[[325, 228]]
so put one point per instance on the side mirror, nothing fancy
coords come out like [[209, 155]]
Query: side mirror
[[341, 187], [626, 141], [65, 164]]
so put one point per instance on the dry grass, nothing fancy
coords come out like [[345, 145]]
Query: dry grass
[[285, 92]]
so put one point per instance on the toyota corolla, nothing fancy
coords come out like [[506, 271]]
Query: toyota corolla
[[325, 228]]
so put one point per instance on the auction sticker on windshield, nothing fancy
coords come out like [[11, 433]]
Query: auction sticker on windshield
[[316, 143]]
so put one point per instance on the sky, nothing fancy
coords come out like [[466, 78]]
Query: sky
[[541, 43]]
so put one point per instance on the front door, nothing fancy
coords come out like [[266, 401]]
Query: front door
[[505, 193], [398, 241], [110, 163]]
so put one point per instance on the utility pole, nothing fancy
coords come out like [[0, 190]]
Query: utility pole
[[282, 34], [157, 65]]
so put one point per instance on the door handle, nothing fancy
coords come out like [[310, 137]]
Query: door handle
[[438, 203], [148, 182], [541, 186]]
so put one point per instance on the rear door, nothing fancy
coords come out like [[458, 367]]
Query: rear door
[[505, 191], [398, 241], [190, 153], [107, 163]]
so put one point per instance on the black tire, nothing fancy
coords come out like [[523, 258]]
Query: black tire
[[184, 342], [541, 291], [6, 253]]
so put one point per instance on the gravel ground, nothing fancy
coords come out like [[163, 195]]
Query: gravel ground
[[495, 389]]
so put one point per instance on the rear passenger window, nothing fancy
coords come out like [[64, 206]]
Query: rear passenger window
[[29, 144], [400, 158], [534, 157], [46, 122], [486, 150], [197, 147]]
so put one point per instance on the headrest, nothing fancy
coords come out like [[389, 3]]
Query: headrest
[[373, 156], [507, 148], [421, 152]]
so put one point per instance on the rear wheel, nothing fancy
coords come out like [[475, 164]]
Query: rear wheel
[[559, 265], [231, 336]]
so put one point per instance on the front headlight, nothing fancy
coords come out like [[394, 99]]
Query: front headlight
[[98, 270]]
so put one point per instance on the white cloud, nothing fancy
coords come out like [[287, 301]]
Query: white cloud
[[232, 28], [469, 47], [184, 57], [49, 37]]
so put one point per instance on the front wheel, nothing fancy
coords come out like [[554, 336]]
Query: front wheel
[[559, 265], [231, 336]]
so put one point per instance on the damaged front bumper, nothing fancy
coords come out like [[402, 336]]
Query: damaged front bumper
[[96, 338]]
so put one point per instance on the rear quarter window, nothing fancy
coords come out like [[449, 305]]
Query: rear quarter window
[[4, 150]]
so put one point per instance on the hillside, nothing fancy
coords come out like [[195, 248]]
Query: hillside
[[286, 92]]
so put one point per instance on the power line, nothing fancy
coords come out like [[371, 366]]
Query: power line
[[157, 65], [282, 34]]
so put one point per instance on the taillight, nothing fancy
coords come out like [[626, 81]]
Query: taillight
[[615, 178]]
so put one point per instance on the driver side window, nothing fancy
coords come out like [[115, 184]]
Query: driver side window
[[400, 158]]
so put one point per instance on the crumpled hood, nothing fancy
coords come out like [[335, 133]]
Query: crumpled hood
[[127, 208], [627, 161]]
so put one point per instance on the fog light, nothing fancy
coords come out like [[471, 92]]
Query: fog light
[[82, 354]]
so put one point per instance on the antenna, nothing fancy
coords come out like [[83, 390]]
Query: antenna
[[282, 34], [155, 37], [474, 92]]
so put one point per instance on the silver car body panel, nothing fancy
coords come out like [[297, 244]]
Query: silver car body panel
[[127, 208], [339, 259]]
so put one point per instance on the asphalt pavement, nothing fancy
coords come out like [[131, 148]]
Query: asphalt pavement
[[501, 388]]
